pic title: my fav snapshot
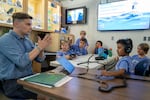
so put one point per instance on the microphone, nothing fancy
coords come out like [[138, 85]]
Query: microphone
[[86, 61]]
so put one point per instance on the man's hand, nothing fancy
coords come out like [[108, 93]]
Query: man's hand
[[44, 42]]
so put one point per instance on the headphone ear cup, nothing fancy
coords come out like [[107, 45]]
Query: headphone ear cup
[[127, 49], [128, 46]]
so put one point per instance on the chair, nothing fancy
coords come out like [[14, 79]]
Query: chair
[[143, 68]]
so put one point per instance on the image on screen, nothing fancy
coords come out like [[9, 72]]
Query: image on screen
[[76, 15], [124, 15]]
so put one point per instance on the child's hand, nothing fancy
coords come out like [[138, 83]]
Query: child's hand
[[116, 58], [67, 57], [86, 47], [103, 72]]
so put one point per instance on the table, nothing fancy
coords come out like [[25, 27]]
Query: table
[[82, 89], [83, 59]]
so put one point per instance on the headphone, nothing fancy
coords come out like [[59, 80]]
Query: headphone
[[127, 45]]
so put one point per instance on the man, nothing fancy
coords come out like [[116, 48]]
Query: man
[[16, 55]]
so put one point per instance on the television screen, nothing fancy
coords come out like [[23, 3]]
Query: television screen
[[124, 15], [76, 15]]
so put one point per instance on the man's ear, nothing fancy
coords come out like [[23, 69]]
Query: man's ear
[[15, 23]]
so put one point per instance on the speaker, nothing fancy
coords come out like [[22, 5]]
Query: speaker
[[128, 45]]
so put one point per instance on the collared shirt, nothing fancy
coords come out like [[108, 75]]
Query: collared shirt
[[14, 56], [136, 59], [78, 42], [78, 51], [63, 54], [125, 63]]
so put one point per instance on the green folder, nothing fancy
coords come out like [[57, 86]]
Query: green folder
[[46, 78]]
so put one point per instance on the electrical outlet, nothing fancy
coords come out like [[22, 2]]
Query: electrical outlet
[[148, 38], [144, 38], [112, 38]]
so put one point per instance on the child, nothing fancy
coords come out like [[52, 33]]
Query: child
[[142, 50], [80, 49], [97, 45], [64, 52], [100, 50], [82, 36], [124, 47]]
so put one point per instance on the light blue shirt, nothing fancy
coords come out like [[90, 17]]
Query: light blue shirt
[[63, 54], [14, 56], [101, 53], [78, 42], [136, 59], [125, 63], [78, 51]]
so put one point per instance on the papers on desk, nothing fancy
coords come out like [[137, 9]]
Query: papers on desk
[[81, 59], [48, 79], [78, 60]]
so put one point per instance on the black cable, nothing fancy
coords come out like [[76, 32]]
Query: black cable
[[105, 86], [88, 62]]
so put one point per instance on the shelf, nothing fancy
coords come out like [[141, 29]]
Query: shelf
[[36, 10], [5, 25], [54, 16], [46, 13], [8, 8]]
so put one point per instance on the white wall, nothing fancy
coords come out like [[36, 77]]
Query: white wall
[[91, 27]]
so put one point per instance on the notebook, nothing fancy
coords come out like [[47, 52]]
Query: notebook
[[48, 79], [68, 67]]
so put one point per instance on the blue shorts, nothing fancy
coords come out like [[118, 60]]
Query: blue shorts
[[13, 90]]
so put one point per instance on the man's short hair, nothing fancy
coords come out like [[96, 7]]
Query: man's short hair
[[21, 16]]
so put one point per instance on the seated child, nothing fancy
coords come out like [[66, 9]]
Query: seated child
[[65, 51], [97, 45], [100, 50], [124, 47], [82, 36], [80, 49], [142, 50]]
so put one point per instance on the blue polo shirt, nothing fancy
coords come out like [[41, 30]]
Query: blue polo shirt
[[78, 42], [14, 56], [125, 63], [63, 54], [78, 51]]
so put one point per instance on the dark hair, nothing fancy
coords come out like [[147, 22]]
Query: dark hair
[[144, 47], [83, 39], [127, 43], [21, 16], [100, 42]]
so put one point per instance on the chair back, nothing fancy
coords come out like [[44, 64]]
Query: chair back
[[143, 68]]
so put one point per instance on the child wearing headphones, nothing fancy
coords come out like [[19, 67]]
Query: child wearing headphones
[[124, 47]]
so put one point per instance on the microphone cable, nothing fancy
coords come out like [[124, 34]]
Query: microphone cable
[[88, 62]]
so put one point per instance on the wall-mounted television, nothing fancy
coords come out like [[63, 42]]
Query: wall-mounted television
[[124, 15], [76, 15]]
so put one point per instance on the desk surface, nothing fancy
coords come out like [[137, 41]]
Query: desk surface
[[82, 89], [83, 59]]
